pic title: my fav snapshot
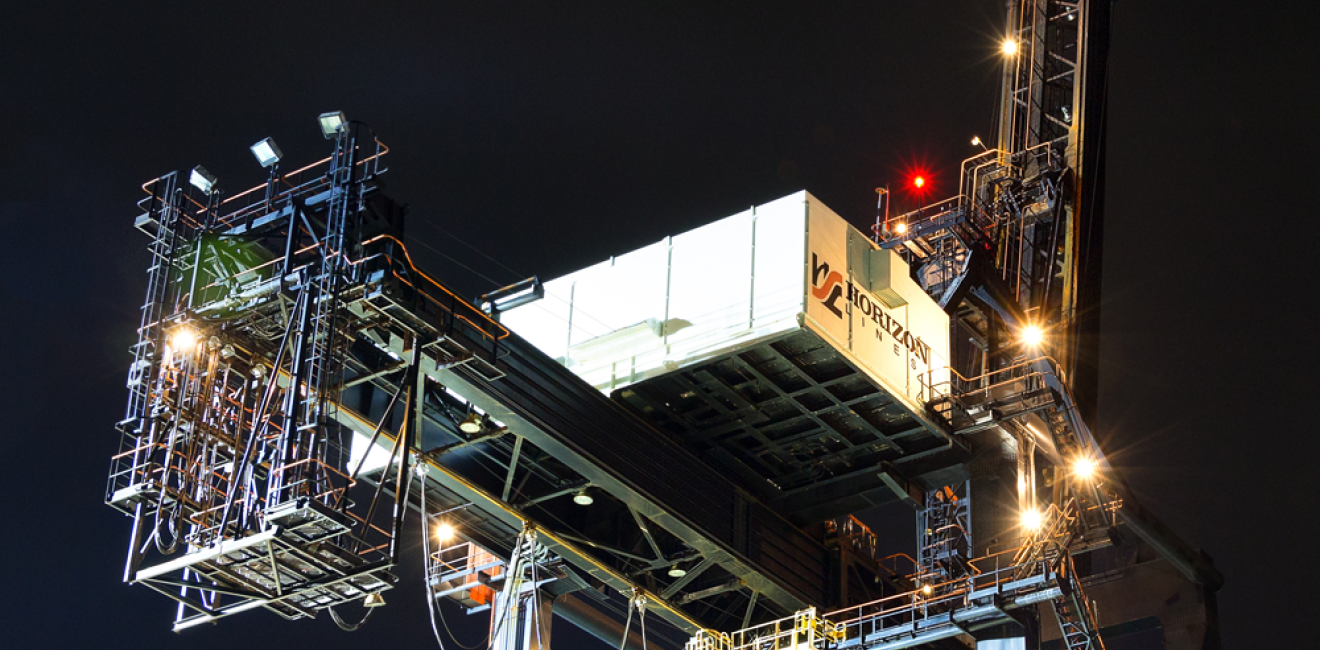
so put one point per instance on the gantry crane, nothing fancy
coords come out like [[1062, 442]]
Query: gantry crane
[[301, 395]]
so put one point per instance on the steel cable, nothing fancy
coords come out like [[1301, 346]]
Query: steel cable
[[426, 562]]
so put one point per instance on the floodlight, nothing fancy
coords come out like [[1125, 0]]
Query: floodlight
[[183, 339], [471, 424], [444, 531], [1085, 467], [1032, 520], [1009, 47], [976, 141], [676, 571], [900, 227], [926, 589], [332, 123], [512, 296], [202, 179], [267, 152], [582, 498], [1032, 335]]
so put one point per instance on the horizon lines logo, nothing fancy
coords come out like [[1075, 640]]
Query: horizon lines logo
[[832, 287], [831, 291]]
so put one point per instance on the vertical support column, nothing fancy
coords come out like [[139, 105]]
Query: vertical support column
[[134, 545], [409, 434]]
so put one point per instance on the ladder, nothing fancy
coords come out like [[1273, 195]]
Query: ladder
[[162, 208], [1073, 611]]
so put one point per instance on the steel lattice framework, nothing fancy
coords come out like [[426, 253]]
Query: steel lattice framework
[[231, 448], [299, 386]]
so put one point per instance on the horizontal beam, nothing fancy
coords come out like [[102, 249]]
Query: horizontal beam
[[491, 506], [661, 481]]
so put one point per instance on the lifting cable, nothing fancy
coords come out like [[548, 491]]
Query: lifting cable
[[350, 627], [638, 600], [421, 472], [641, 618], [432, 608], [513, 576], [473, 248], [536, 591]]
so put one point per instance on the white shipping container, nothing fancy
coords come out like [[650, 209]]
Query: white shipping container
[[778, 268]]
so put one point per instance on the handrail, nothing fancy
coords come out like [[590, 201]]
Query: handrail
[[441, 287]]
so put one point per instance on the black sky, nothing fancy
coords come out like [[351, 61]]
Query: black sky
[[552, 135]]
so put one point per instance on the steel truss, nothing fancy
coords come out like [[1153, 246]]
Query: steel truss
[[290, 350]]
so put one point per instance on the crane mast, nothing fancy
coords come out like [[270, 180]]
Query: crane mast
[[1053, 101]]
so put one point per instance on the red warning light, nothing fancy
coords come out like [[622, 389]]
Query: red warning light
[[919, 182]]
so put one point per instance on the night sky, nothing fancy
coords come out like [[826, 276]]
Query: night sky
[[550, 137]]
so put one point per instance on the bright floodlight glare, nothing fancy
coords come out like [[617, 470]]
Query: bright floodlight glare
[[926, 589], [184, 339], [1084, 467], [1032, 335], [332, 123], [676, 571], [900, 227], [267, 152], [976, 140], [1032, 520], [202, 179], [582, 498], [470, 424], [1010, 47], [444, 531]]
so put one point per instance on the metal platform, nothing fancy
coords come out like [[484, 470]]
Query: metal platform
[[796, 423], [306, 562]]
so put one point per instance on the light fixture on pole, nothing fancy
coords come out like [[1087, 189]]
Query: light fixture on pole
[[676, 571], [976, 142], [1009, 47], [267, 153], [332, 124], [202, 179], [881, 228], [374, 600]]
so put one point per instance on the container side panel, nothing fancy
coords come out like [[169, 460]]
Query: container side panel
[[905, 347], [710, 286], [617, 313], [777, 287]]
